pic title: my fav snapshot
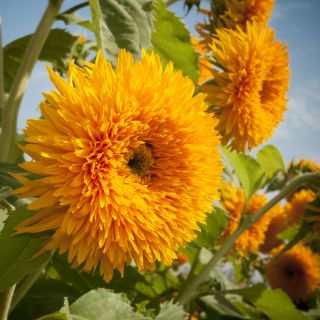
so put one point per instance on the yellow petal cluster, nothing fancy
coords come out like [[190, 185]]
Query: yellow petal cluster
[[297, 272], [296, 205], [232, 14], [304, 165], [252, 80], [127, 164], [233, 200]]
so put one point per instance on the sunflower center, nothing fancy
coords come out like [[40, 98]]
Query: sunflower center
[[292, 272], [141, 161]]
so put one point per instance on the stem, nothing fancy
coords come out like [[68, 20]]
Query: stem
[[190, 291], [76, 7], [25, 286], [11, 108], [5, 301]]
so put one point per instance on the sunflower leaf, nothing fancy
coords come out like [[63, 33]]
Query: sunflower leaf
[[102, 304], [248, 170], [122, 24], [278, 306], [171, 40], [17, 251], [271, 161], [57, 50]]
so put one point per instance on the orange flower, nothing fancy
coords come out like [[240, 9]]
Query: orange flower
[[233, 201], [296, 205], [297, 272], [251, 82], [123, 171]]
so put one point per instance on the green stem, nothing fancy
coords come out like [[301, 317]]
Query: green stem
[[25, 285], [11, 108], [5, 301], [190, 291], [76, 7]]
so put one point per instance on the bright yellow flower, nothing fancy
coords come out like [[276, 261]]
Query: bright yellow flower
[[127, 162], [204, 66], [278, 223], [233, 201], [296, 205], [297, 272], [233, 14], [304, 165], [251, 85]]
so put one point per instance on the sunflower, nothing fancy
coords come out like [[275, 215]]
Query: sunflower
[[124, 174], [232, 14], [251, 82], [204, 66], [297, 272], [296, 205], [304, 165], [278, 223], [233, 200]]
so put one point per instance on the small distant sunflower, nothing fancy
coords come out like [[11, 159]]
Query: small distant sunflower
[[204, 66], [233, 201], [123, 171], [278, 223], [249, 96], [296, 205], [232, 14], [304, 166], [297, 272]]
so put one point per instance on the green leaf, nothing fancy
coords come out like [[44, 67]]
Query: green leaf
[[271, 161], [278, 306], [171, 311], [4, 192], [211, 231], [249, 171], [122, 24], [57, 50], [250, 294], [171, 40], [17, 251], [102, 304]]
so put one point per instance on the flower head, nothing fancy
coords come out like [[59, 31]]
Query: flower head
[[278, 223], [297, 272], [252, 80], [304, 165], [296, 205], [233, 200], [127, 164], [232, 14]]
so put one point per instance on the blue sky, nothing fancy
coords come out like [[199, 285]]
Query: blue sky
[[296, 22]]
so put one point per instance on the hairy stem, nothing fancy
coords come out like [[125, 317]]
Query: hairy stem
[[11, 108], [190, 291], [1, 73], [5, 301]]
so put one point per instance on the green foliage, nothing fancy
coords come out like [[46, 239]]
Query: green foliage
[[17, 251], [271, 161], [248, 170], [171, 40], [122, 24], [278, 306], [216, 222], [170, 311], [6, 178], [57, 50]]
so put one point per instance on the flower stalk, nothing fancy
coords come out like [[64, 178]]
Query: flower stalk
[[189, 291], [11, 107]]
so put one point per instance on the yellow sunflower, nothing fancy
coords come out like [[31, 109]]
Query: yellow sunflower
[[232, 14], [278, 223], [304, 165], [252, 80], [296, 205], [127, 164], [233, 200], [297, 272]]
